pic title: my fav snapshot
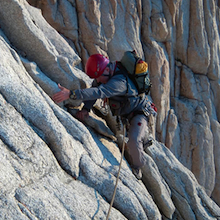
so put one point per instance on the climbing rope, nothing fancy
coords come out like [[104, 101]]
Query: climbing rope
[[122, 155]]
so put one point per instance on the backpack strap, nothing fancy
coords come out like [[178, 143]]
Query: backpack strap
[[120, 69], [123, 70]]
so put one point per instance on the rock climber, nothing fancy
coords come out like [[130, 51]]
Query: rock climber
[[124, 101]]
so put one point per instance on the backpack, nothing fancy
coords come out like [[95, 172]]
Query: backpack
[[137, 71]]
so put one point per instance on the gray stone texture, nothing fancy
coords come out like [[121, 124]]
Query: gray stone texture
[[55, 167]]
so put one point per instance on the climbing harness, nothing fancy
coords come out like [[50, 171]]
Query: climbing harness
[[122, 155]]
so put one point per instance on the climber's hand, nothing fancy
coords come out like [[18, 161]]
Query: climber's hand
[[62, 95]]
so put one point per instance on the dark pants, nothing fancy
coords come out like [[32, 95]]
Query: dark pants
[[137, 134]]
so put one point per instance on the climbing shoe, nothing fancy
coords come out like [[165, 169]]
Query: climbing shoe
[[137, 172], [148, 144]]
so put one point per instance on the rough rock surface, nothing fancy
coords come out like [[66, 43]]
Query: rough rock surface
[[55, 167]]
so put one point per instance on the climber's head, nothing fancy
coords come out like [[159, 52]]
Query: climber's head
[[96, 65]]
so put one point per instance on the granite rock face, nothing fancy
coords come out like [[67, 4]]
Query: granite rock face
[[55, 167]]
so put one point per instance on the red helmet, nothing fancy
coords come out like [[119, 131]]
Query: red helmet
[[96, 65]]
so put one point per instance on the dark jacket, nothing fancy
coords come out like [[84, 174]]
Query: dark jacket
[[121, 91]]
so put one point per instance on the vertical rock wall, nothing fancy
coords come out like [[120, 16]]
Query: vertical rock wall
[[180, 41], [52, 165]]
